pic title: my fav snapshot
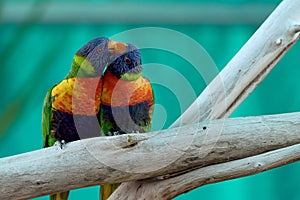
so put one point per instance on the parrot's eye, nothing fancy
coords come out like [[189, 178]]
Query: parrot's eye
[[99, 50], [127, 61]]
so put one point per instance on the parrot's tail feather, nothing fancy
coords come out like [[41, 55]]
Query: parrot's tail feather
[[60, 196], [107, 189]]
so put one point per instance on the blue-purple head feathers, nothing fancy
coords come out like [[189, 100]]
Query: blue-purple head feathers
[[97, 53], [91, 45], [128, 62]]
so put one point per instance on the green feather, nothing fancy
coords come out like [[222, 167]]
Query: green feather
[[131, 76], [80, 67], [48, 139]]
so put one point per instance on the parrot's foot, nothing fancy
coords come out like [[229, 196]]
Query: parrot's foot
[[118, 132], [61, 144], [113, 133]]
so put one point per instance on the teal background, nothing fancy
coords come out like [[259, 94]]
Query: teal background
[[34, 56]]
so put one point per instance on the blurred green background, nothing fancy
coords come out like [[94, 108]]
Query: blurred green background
[[38, 40]]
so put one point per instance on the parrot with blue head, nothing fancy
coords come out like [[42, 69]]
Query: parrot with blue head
[[127, 100], [71, 107]]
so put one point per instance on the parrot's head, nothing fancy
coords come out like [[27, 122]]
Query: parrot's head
[[91, 59], [127, 66]]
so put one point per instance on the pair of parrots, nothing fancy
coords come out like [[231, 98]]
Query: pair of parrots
[[103, 94]]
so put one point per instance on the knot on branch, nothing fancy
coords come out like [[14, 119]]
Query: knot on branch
[[128, 140], [296, 28], [295, 31]]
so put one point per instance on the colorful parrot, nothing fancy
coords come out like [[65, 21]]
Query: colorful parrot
[[127, 101], [71, 107]]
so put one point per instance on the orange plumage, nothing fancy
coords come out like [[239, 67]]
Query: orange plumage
[[78, 96], [117, 92]]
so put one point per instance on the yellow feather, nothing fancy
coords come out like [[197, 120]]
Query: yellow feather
[[60, 196], [107, 189]]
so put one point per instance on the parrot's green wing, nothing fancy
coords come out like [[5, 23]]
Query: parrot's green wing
[[48, 140]]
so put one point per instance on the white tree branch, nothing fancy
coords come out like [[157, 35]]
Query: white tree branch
[[164, 189], [137, 156], [248, 67], [241, 75]]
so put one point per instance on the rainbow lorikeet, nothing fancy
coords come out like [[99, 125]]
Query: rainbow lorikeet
[[71, 107], [127, 100]]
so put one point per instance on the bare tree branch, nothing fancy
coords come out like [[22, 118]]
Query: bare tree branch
[[137, 156], [164, 189], [243, 73], [248, 67]]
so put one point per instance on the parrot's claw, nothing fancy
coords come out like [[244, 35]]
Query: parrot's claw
[[116, 133], [61, 144]]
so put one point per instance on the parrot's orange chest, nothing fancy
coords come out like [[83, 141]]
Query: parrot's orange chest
[[117, 92], [77, 96]]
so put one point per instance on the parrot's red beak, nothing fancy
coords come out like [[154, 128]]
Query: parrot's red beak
[[116, 47]]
